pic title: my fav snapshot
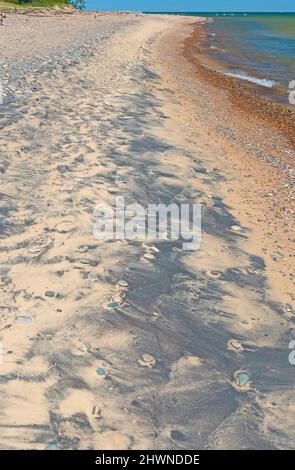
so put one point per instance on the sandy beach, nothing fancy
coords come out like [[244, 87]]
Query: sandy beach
[[95, 108]]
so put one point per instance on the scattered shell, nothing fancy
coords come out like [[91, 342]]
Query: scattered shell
[[155, 249], [149, 256], [36, 249], [147, 360], [83, 249], [214, 273], [234, 345], [242, 379], [123, 283], [92, 277], [236, 228]]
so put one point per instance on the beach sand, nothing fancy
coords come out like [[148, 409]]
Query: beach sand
[[113, 105]]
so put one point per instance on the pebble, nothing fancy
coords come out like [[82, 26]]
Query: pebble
[[112, 305], [147, 360], [92, 277], [83, 249], [290, 309], [50, 293], [155, 249], [234, 345], [149, 256], [85, 261], [235, 228], [242, 379], [100, 371]]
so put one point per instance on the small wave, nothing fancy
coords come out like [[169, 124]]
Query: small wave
[[258, 81]]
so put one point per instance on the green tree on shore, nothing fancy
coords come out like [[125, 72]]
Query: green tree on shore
[[78, 4]]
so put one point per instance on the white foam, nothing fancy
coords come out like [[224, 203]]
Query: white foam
[[259, 81]]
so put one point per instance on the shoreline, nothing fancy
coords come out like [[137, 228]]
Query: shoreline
[[243, 95]]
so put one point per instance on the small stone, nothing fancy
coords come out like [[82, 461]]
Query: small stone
[[235, 228], [155, 249], [60, 273], [113, 305], [83, 249], [92, 276], [85, 261], [234, 345], [147, 360], [149, 256], [100, 371], [242, 379], [50, 293]]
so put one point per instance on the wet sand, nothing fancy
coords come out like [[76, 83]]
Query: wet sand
[[116, 110]]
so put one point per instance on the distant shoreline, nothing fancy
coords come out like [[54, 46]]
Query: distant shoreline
[[243, 95]]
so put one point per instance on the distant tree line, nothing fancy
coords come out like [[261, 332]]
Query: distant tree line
[[78, 4]]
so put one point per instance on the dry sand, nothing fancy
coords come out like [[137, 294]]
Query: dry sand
[[122, 101]]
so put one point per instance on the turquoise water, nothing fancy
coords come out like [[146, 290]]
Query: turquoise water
[[258, 47]]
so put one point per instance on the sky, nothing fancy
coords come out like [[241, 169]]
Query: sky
[[192, 5]]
